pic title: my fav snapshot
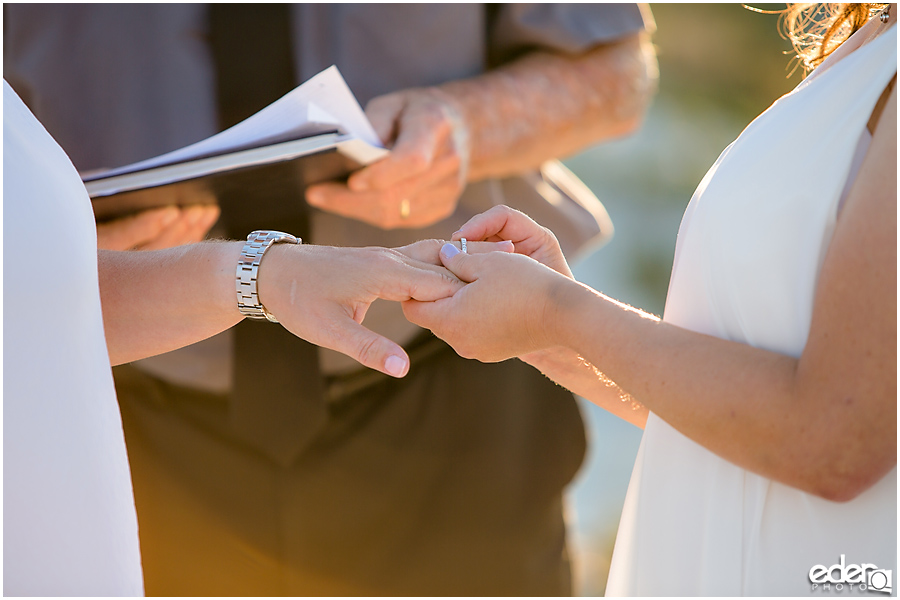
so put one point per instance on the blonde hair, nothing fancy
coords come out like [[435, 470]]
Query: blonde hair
[[816, 30]]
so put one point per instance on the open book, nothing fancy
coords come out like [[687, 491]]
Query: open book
[[315, 133]]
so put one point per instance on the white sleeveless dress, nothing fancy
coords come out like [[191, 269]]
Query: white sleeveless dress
[[749, 250], [69, 524]]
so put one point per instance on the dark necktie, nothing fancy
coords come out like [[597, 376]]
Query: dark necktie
[[277, 403]]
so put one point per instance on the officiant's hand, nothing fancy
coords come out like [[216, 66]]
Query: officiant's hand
[[157, 228], [420, 182]]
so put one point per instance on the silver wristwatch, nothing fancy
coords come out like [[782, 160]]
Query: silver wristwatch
[[248, 268]]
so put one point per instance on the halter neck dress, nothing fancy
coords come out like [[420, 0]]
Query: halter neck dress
[[749, 250]]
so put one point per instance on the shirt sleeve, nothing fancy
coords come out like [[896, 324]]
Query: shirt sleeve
[[571, 28]]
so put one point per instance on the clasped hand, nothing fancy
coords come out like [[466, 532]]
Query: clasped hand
[[512, 301], [420, 182], [322, 293], [496, 302]]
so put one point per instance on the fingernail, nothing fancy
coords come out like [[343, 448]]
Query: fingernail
[[455, 233], [314, 197], [505, 246], [448, 250], [395, 366]]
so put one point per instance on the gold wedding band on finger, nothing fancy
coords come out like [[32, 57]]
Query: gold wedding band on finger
[[404, 208], [462, 245]]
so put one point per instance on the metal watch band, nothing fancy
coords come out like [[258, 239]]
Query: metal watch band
[[248, 269]]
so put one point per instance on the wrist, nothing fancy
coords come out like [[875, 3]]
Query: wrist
[[218, 287], [279, 279], [249, 266], [460, 128], [571, 302]]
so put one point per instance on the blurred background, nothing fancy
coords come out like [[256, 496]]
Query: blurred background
[[720, 66]]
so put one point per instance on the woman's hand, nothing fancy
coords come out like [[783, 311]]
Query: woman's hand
[[508, 309], [420, 182], [322, 293], [158, 228], [531, 239], [429, 251]]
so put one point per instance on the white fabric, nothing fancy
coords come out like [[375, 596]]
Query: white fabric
[[69, 524], [749, 251]]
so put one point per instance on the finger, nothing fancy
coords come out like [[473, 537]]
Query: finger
[[383, 208], [397, 169], [183, 231], [428, 251], [209, 218], [427, 314], [503, 222], [459, 263], [337, 198], [485, 247], [129, 232], [382, 113], [196, 221], [418, 281], [426, 199], [378, 209], [370, 349], [419, 140], [201, 222]]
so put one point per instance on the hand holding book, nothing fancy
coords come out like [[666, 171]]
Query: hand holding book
[[419, 183], [158, 228], [314, 133]]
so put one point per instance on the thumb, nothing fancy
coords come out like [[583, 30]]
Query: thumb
[[459, 263], [371, 350]]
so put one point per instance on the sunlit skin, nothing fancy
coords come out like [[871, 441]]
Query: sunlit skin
[[154, 302], [825, 422], [514, 118], [158, 228]]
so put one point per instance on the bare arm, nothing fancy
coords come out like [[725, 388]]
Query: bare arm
[[825, 423], [561, 364], [574, 372], [552, 105], [158, 301]]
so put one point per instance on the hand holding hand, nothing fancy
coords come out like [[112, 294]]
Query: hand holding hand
[[429, 251], [158, 228], [322, 293], [531, 239], [508, 308], [420, 182]]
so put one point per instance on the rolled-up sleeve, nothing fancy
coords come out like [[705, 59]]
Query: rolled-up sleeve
[[569, 28]]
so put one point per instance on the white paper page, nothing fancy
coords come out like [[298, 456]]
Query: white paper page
[[322, 100]]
